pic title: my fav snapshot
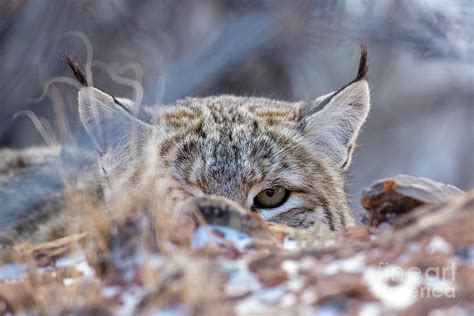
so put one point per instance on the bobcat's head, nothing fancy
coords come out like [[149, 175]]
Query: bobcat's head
[[285, 161]]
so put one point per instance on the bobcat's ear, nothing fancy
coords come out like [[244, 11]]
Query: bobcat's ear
[[109, 121], [332, 122]]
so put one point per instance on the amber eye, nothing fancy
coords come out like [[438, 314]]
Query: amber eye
[[271, 198]]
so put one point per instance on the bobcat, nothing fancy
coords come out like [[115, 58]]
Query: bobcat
[[284, 161]]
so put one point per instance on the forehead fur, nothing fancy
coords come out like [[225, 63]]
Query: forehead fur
[[225, 145]]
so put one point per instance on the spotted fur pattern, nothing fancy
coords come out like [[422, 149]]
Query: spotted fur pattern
[[235, 147]]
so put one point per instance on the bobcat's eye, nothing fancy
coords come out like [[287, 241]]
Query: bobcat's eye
[[271, 198]]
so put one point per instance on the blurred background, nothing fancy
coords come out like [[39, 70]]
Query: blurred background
[[421, 68]]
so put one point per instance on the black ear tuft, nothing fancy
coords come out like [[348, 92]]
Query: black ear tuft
[[363, 63], [76, 69]]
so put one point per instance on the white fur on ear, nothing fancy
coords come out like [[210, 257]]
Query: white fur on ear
[[334, 128], [108, 120]]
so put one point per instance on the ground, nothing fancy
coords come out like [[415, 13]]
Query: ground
[[414, 256]]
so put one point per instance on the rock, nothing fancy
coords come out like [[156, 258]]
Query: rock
[[452, 220], [387, 199]]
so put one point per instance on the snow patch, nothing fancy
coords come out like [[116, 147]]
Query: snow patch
[[349, 265], [79, 262], [397, 296], [69, 281], [290, 267], [12, 270], [289, 243], [110, 291], [370, 309], [288, 300], [309, 296], [438, 285], [439, 244], [204, 235], [130, 298], [241, 279], [259, 301]]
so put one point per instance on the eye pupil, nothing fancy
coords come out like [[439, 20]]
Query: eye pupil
[[271, 197]]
